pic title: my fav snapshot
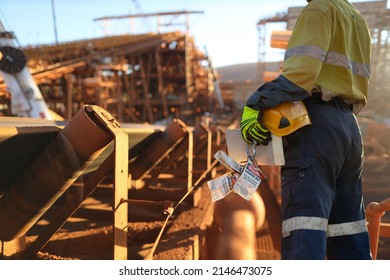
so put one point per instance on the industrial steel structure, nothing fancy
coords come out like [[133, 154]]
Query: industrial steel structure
[[137, 78]]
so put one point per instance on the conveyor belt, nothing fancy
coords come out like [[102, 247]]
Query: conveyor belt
[[23, 139]]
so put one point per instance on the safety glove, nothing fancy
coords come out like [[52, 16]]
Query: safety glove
[[251, 128]]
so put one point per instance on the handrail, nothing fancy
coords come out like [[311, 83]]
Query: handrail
[[374, 213]]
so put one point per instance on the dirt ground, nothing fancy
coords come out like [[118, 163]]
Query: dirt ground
[[82, 239], [97, 243]]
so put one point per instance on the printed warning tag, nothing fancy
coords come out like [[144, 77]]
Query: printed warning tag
[[228, 162], [249, 181], [222, 186]]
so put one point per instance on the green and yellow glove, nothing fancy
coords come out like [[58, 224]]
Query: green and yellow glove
[[251, 128]]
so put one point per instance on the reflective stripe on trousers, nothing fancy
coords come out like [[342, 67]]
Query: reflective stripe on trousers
[[316, 223]]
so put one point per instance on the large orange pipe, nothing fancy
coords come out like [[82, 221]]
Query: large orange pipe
[[51, 173], [239, 220]]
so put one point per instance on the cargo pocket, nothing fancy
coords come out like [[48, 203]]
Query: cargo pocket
[[298, 192]]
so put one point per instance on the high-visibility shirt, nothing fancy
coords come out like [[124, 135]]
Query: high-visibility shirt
[[330, 48]]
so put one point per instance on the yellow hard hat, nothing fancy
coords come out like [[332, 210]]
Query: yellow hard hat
[[286, 118]]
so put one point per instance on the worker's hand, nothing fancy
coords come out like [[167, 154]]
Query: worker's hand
[[251, 128]]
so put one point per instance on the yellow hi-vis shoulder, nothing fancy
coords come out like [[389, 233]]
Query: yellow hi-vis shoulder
[[286, 118]]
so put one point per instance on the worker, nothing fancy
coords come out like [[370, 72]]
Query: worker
[[327, 67]]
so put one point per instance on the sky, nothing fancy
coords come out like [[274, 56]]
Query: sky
[[226, 29]]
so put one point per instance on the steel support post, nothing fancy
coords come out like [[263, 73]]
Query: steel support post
[[120, 223]]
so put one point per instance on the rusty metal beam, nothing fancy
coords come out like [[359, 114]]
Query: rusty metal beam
[[149, 15], [167, 162], [158, 149], [120, 181], [145, 75], [69, 96], [160, 88]]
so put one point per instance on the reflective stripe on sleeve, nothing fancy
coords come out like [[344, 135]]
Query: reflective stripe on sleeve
[[316, 223], [341, 60], [333, 58], [313, 51]]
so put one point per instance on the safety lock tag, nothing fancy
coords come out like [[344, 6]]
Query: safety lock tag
[[228, 162], [249, 181], [220, 187], [243, 180]]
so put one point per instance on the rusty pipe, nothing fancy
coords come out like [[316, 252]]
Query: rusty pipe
[[374, 213], [239, 220], [58, 166], [140, 202]]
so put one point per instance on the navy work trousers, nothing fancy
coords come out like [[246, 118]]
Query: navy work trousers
[[322, 202]]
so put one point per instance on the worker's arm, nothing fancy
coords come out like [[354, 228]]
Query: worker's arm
[[271, 94], [303, 61]]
